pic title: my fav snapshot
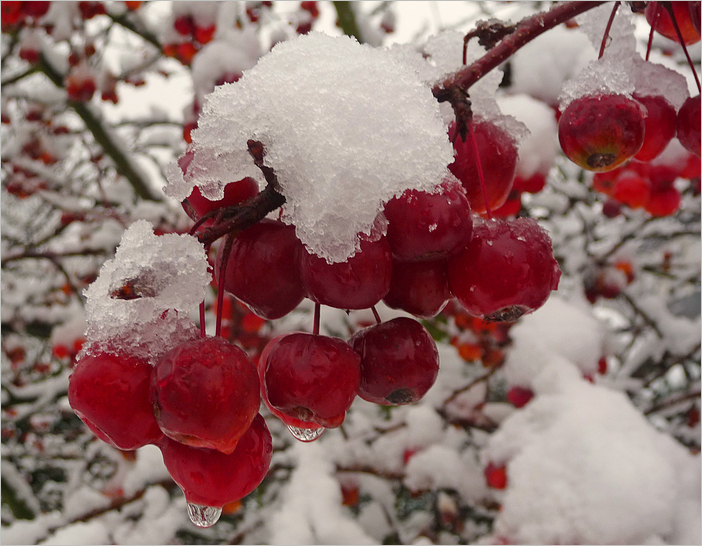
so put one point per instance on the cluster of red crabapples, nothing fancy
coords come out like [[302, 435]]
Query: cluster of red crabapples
[[618, 137], [199, 404]]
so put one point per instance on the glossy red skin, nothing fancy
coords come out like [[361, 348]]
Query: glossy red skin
[[498, 160], [600, 132], [429, 226], [688, 125], [263, 269], [660, 123], [534, 184], [359, 283], [399, 361], [420, 288], [683, 16], [211, 478], [663, 202], [506, 271], [495, 476], [111, 395], [519, 396], [205, 393], [287, 419], [312, 378], [632, 189], [234, 193]]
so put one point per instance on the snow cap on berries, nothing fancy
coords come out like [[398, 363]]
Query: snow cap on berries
[[345, 127], [141, 298]]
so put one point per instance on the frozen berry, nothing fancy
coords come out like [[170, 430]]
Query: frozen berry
[[399, 361], [110, 393], [205, 393], [600, 132]]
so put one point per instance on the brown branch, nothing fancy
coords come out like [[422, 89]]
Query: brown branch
[[237, 218], [673, 401], [524, 32]]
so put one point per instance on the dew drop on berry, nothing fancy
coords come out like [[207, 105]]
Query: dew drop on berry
[[306, 434], [203, 516]]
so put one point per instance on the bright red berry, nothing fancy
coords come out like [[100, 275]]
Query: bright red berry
[[659, 18], [263, 270], [519, 396], [211, 478], [660, 122], [110, 393], [429, 226], [205, 393], [311, 378], [496, 476], [507, 269], [420, 288], [688, 125], [600, 132], [498, 160], [360, 282], [399, 361]]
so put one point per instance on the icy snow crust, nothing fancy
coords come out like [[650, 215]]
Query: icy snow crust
[[165, 278], [345, 126]]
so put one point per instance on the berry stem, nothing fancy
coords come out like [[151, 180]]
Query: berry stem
[[608, 28], [203, 332], [650, 34], [378, 320], [317, 313], [481, 175], [525, 31], [668, 6], [228, 242]]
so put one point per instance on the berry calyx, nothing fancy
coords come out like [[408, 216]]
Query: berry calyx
[[600, 132], [506, 271], [399, 361], [205, 393], [110, 394], [310, 377], [211, 478]]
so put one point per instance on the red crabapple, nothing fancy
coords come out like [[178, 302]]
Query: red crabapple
[[205, 393], [506, 271], [600, 132], [496, 476], [420, 288], [688, 125], [429, 226], [660, 122], [498, 159], [399, 361], [110, 393], [263, 270], [305, 431], [663, 24], [310, 377], [211, 478], [359, 283]]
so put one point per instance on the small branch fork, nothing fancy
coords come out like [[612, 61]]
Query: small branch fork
[[505, 41], [235, 219]]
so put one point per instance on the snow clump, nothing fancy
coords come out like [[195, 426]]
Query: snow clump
[[140, 300], [345, 127]]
